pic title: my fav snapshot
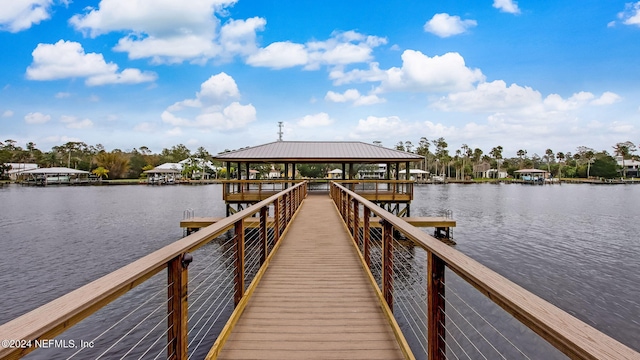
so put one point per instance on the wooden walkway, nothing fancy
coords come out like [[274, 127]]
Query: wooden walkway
[[315, 300]]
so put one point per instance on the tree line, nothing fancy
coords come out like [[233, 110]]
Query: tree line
[[114, 164], [438, 159], [465, 162]]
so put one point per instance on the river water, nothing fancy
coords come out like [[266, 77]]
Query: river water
[[575, 246]]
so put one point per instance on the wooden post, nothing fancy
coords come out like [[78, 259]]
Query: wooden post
[[177, 326], [356, 220], [435, 307], [239, 266], [263, 235], [387, 263], [276, 218], [366, 230]]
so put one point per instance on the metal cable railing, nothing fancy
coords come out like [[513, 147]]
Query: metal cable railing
[[447, 306], [142, 311]]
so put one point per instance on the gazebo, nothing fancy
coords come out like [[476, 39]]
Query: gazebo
[[345, 153]]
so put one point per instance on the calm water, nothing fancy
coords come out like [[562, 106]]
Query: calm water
[[576, 246]]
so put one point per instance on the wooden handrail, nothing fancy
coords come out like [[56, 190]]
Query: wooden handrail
[[568, 334], [53, 318]]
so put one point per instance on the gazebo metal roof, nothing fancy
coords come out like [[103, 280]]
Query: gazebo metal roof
[[530, 171], [55, 170], [318, 152]]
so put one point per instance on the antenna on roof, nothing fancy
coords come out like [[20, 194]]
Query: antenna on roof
[[280, 131]]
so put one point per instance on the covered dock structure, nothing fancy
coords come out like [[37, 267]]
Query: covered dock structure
[[391, 192], [531, 176], [54, 176]]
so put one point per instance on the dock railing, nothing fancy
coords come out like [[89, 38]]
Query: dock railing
[[141, 311], [476, 313], [254, 190], [373, 189]]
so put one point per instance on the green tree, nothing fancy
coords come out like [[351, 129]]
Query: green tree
[[176, 154], [316, 171], [116, 162], [604, 166], [100, 172]]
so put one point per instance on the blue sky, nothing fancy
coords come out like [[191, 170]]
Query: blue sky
[[222, 73]]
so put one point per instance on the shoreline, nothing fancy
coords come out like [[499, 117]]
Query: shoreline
[[632, 181]]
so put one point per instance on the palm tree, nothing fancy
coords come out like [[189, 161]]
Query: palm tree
[[560, 156], [521, 154], [496, 152], [423, 150], [589, 156], [548, 154], [441, 152], [100, 172]]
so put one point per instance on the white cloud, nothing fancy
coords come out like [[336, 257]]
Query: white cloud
[[280, 55], [607, 98], [62, 95], [67, 59], [491, 96], [217, 89], [57, 139], [631, 14], [496, 96], [144, 127], [36, 118], [419, 73], [508, 6], [169, 32], [176, 131], [7, 114], [384, 128], [73, 122], [445, 25], [213, 107], [18, 15], [354, 96], [621, 128], [316, 120], [239, 36], [341, 49]]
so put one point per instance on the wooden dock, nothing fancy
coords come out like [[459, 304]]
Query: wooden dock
[[315, 300], [437, 222]]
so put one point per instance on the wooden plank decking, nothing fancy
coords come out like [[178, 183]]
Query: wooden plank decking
[[315, 300]]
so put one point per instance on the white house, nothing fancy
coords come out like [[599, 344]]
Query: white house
[[631, 166]]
